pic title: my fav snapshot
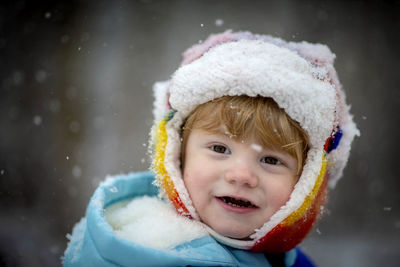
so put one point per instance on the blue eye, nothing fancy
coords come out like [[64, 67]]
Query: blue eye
[[270, 160], [220, 149]]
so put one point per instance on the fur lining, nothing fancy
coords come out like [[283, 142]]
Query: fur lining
[[258, 68], [172, 162], [132, 220]]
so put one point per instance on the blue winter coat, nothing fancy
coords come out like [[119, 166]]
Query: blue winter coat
[[93, 242]]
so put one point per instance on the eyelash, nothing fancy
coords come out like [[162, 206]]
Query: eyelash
[[274, 160], [215, 148], [266, 160]]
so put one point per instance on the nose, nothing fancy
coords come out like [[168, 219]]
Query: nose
[[242, 175]]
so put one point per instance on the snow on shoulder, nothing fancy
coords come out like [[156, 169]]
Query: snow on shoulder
[[151, 222]]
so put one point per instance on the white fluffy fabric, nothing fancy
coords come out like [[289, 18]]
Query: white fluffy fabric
[[160, 105], [253, 67], [172, 163], [151, 222]]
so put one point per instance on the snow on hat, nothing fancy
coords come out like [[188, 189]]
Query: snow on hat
[[300, 77]]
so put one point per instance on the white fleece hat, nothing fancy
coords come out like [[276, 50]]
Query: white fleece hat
[[301, 79]]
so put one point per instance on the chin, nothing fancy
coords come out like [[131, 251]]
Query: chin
[[235, 233], [239, 236]]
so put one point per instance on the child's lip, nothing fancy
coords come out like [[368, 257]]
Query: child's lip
[[227, 205]]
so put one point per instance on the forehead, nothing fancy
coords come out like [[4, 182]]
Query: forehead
[[249, 137], [246, 118]]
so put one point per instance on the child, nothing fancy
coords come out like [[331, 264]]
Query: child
[[248, 133]]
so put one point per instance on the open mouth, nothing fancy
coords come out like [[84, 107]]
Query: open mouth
[[239, 203]]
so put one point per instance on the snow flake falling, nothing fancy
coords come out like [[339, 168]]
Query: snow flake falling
[[114, 189], [219, 22], [74, 126], [54, 105], [41, 76], [54, 249], [65, 39], [37, 120], [256, 147], [77, 171], [18, 77]]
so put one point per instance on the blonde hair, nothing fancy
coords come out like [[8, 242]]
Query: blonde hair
[[243, 117]]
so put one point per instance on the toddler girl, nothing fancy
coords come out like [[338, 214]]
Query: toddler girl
[[249, 133]]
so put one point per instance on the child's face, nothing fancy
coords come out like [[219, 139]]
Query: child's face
[[236, 186]]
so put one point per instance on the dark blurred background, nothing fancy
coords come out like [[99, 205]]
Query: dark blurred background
[[76, 105]]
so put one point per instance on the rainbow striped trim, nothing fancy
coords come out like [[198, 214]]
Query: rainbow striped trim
[[159, 169], [299, 213]]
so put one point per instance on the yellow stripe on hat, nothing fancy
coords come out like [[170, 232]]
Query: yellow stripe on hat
[[299, 213], [159, 157], [158, 166]]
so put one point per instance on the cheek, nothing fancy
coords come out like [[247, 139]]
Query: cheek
[[194, 173], [189, 178], [279, 194], [192, 180], [199, 184], [195, 188]]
